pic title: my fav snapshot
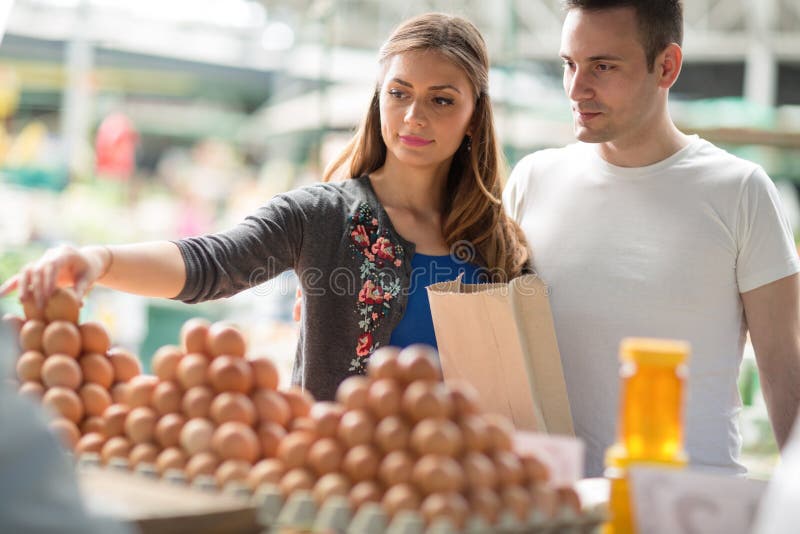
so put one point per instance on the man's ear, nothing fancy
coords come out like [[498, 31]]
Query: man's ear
[[668, 65]]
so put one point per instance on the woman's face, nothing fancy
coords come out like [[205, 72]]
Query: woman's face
[[426, 104]]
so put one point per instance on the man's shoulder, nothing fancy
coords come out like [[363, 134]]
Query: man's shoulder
[[547, 160]]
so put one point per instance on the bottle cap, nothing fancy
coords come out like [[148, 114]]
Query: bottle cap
[[651, 351]]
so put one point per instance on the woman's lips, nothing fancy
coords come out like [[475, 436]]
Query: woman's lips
[[412, 140]]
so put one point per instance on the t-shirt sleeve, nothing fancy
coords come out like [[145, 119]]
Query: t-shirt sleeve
[[262, 246], [767, 250], [514, 192]]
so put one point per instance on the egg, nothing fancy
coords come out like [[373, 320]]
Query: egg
[[271, 406], [193, 336], [202, 463], [141, 388], [296, 480], [29, 366], [486, 503], [120, 392], [195, 436], [140, 425], [392, 434], [65, 402], [300, 401], [192, 370], [384, 397], [197, 402], [66, 431], [115, 416], [303, 424], [516, 499], [293, 449], [479, 470], [325, 456], [235, 441], [422, 400], [61, 370], [364, 492], [93, 424], [353, 393], [544, 499], [228, 373], [267, 471], [31, 334], [165, 362], [326, 416], [90, 442], [436, 436], [265, 374], [361, 463], [97, 368], [396, 468], [418, 362], [400, 497], [63, 305], [31, 310], [143, 453], [450, 505], [475, 432], [269, 436], [509, 469], [225, 339], [233, 407], [328, 486], [171, 458], [61, 337], [464, 398], [96, 399], [356, 428], [115, 447], [168, 430], [437, 474], [232, 470], [536, 471], [501, 432], [125, 364], [94, 338], [32, 390], [167, 397], [383, 364], [569, 498]]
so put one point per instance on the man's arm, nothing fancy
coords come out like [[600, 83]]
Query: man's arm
[[773, 318]]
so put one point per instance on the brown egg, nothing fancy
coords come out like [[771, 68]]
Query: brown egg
[[568, 497], [361, 463], [475, 432], [400, 497], [202, 463], [61, 337], [33, 390], [329, 485], [94, 338], [518, 500], [66, 431], [171, 458], [120, 392], [96, 399], [364, 492], [418, 362], [90, 442], [61, 370], [269, 436], [296, 480], [544, 499], [195, 436], [30, 337], [65, 402], [229, 373], [464, 398], [396, 468], [422, 400], [356, 428], [141, 390], [197, 402], [265, 374], [115, 447], [32, 312], [304, 424], [167, 397], [93, 425], [225, 339], [29, 366], [501, 432], [193, 370], [392, 434], [165, 363], [479, 470], [325, 456], [63, 305], [383, 364], [536, 471], [143, 453], [438, 474], [353, 393], [97, 368], [235, 441], [300, 401], [293, 449], [384, 397], [125, 364], [233, 407], [232, 470], [267, 471], [140, 425], [486, 503], [168, 430], [436, 436], [193, 335], [509, 469], [326, 416], [271, 406], [450, 505], [115, 416]]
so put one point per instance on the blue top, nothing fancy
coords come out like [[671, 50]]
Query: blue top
[[416, 326]]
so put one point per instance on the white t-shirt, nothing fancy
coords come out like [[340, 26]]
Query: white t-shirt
[[657, 251]]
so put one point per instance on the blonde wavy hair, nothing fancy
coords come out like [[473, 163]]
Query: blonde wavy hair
[[472, 213]]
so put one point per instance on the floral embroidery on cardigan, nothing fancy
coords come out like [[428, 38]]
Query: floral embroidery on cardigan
[[380, 283]]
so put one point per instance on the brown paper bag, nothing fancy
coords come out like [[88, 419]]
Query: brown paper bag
[[500, 338]]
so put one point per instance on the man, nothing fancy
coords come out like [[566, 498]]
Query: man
[[641, 230]]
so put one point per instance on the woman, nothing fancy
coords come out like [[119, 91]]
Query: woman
[[425, 169]]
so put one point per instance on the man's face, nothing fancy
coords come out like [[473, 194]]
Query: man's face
[[612, 95]]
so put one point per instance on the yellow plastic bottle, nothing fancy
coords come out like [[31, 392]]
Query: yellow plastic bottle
[[650, 423]]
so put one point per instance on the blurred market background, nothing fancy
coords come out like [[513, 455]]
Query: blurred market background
[[125, 121]]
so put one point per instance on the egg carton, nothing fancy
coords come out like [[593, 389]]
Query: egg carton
[[300, 511]]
